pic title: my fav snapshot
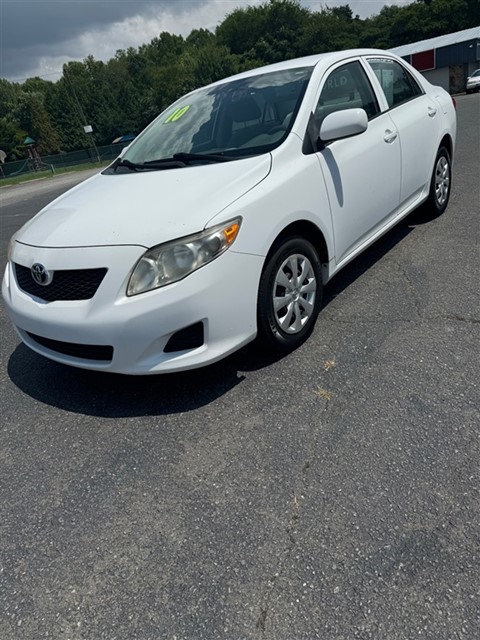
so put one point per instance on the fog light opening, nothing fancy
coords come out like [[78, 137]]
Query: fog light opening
[[190, 337]]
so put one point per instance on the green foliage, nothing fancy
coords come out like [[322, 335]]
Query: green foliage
[[211, 63], [330, 30], [125, 93], [34, 118], [9, 93], [199, 38], [12, 137], [420, 21], [268, 32]]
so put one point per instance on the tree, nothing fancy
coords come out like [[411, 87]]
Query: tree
[[199, 38], [330, 30], [212, 63], [9, 95], [35, 120], [11, 139], [268, 32], [125, 93]]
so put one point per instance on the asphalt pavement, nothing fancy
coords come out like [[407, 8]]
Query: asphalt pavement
[[332, 494]]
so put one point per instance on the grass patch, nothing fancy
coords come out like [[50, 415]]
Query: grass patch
[[39, 175]]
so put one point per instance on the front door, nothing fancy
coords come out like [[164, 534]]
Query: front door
[[362, 173]]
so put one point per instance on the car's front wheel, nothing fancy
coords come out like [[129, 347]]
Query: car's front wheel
[[441, 183], [290, 295]]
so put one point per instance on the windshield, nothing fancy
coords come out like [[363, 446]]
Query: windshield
[[242, 117]]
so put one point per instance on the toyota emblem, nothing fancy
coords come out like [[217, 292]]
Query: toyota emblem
[[41, 275]]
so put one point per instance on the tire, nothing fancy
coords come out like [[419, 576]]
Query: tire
[[284, 327], [441, 184]]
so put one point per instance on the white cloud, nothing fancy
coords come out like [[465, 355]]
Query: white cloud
[[179, 18], [132, 32], [363, 8]]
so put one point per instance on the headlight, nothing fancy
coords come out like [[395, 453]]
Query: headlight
[[172, 261]]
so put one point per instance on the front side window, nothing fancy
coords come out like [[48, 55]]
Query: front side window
[[398, 84], [242, 117], [347, 87]]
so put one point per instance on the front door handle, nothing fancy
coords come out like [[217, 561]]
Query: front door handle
[[390, 136]]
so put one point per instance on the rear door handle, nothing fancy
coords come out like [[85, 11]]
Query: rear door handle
[[432, 112], [390, 136]]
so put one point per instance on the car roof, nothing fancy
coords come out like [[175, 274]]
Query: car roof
[[306, 61]]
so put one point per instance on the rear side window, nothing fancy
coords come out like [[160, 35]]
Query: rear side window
[[347, 87], [398, 84]]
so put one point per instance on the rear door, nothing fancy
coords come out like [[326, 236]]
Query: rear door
[[417, 117]]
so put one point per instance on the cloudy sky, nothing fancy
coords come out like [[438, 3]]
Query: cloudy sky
[[38, 36]]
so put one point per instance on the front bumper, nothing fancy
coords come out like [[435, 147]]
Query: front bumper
[[222, 295]]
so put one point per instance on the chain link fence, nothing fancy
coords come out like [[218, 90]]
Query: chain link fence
[[60, 161]]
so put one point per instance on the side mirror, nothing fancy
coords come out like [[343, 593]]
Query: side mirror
[[343, 124]]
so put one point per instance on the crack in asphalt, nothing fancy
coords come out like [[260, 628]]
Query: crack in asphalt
[[292, 527], [272, 581], [411, 287], [461, 319], [423, 320]]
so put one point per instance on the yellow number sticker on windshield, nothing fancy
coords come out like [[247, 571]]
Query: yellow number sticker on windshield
[[177, 114]]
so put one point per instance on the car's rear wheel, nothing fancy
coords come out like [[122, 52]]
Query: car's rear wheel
[[441, 183], [290, 295]]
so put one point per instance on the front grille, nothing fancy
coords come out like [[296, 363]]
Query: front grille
[[74, 284], [99, 352]]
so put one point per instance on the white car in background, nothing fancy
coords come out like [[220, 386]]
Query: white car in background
[[473, 82], [224, 219]]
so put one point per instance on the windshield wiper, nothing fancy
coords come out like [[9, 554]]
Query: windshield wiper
[[180, 159], [185, 158], [124, 163], [207, 157], [163, 163]]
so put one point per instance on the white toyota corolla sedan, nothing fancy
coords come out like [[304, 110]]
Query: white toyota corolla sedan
[[223, 220]]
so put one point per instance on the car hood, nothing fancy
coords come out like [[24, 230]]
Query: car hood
[[143, 208]]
